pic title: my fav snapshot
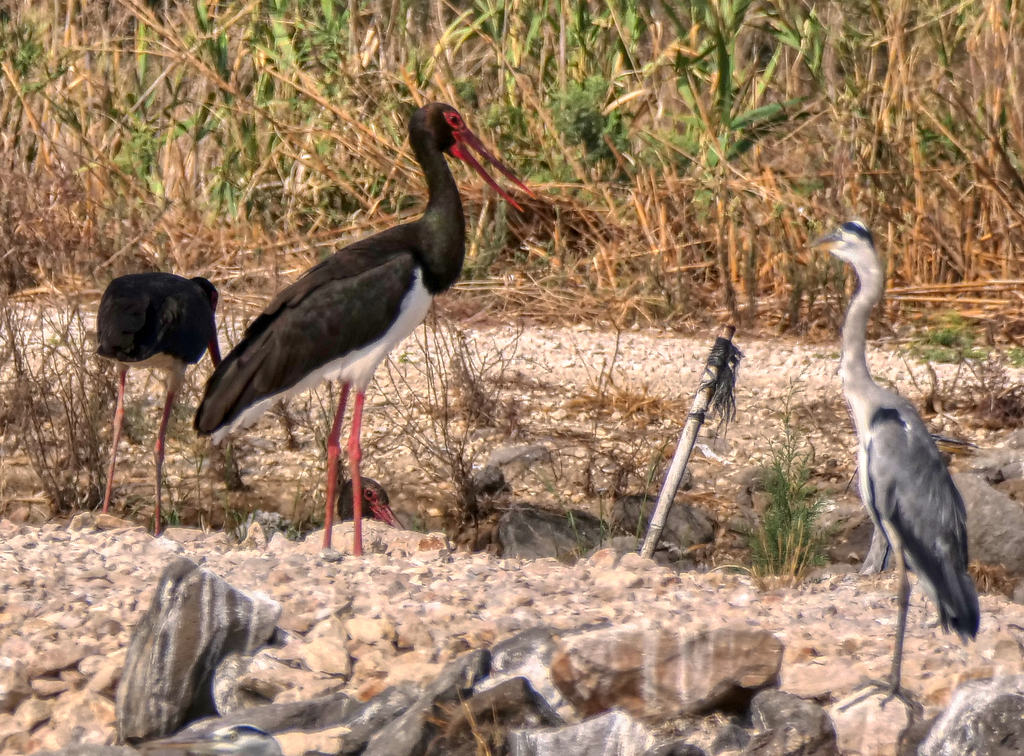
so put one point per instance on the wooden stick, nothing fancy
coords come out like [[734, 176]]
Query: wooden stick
[[717, 360]]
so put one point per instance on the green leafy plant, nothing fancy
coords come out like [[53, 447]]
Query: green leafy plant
[[789, 541], [951, 342], [1015, 355]]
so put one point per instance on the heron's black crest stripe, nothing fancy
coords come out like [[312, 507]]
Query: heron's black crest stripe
[[249, 728], [859, 229]]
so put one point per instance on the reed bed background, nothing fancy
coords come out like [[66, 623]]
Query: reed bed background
[[683, 152]]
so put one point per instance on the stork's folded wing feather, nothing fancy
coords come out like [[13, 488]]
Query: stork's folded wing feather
[[339, 306]]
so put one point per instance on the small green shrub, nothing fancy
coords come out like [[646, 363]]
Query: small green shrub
[[579, 115], [951, 342], [788, 542]]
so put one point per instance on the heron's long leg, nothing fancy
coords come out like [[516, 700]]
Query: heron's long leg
[[118, 422], [903, 602], [158, 454], [355, 454], [333, 452]]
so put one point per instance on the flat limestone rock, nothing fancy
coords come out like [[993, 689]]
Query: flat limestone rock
[[660, 675], [195, 620], [871, 725]]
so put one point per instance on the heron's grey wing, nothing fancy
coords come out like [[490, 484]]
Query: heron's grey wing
[[911, 490]]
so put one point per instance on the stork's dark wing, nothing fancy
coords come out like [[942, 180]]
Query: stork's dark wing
[[118, 323], [346, 302], [144, 314], [912, 491]]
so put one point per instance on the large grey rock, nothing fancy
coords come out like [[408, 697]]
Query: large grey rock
[[527, 654], [685, 527], [613, 734], [317, 714], [362, 720], [481, 724], [489, 481], [529, 532], [788, 725], [660, 675], [997, 465], [983, 719], [195, 620], [730, 737], [524, 456], [995, 524], [409, 734], [229, 695], [78, 749]]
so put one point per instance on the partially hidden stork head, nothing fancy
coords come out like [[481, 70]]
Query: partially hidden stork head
[[376, 503]]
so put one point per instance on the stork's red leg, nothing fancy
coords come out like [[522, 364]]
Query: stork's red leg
[[333, 452], [354, 455], [118, 422], [158, 454]]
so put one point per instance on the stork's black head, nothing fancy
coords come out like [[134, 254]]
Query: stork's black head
[[436, 122], [209, 289], [438, 126]]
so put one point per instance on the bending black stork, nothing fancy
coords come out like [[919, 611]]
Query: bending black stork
[[341, 318], [155, 320], [375, 499]]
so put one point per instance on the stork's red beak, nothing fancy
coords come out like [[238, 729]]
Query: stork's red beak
[[385, 514], [465, 138], [214, 348]]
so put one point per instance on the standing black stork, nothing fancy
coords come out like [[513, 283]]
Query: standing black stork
[[155, 320], [343, 316]]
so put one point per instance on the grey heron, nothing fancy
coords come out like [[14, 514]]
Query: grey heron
[[234, 740], [903, 482]]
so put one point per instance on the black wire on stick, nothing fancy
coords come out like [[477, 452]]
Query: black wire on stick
[[717, 393]]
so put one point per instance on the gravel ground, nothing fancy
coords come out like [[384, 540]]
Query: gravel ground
[[608, 407], [70, 598]]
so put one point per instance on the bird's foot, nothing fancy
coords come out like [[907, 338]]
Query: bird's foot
[[869, 687]]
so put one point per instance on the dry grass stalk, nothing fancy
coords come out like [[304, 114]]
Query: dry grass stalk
[[225, 139]]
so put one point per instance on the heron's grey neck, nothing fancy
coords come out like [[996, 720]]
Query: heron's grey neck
[[854, 365]]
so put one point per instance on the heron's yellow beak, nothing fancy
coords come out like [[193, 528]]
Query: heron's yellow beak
[[832, 238]]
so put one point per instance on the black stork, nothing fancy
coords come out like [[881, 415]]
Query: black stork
[[375, 499], [342, 317], [155, 320]]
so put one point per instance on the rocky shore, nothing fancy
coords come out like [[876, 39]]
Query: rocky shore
[[356, 627]]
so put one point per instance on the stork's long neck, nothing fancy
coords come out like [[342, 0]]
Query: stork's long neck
[[442, 229], [856, 377]]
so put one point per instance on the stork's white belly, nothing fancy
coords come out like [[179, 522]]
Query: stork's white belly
[[355, 368]]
